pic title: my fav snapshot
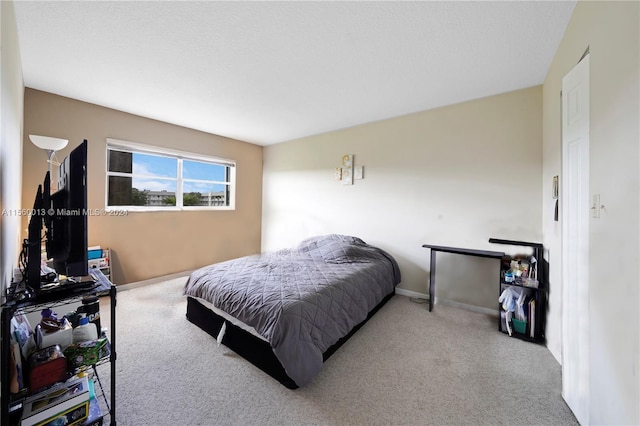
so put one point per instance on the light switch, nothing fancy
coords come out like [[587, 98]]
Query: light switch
[[595, 207]]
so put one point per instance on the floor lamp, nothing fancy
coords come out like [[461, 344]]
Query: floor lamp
[[50, 145]]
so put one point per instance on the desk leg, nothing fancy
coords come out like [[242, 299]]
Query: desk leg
[[432, 279]]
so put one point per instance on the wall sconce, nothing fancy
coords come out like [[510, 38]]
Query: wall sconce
[[50, 145]]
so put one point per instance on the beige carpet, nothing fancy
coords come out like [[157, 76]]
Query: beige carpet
[[406, 366]]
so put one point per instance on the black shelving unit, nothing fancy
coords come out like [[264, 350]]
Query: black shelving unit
[[539, 294], [10, 404]]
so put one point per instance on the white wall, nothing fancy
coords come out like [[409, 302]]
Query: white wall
[[11, 107], [611, 32], [452, 176]]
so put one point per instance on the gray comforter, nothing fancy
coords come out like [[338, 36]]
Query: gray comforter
[[302, 300]]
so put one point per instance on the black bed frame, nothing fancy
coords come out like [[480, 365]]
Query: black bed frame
[[253, 349]]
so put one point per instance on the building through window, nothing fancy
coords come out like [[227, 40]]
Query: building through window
[[141, 177]]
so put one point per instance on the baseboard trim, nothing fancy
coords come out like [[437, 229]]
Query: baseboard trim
[[446, 302], [156, 280], [409, 293], [479, 309]]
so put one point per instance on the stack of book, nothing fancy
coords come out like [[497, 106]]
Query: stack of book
[[64, 403]]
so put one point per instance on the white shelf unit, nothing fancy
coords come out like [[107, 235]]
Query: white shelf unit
[[103, 262]]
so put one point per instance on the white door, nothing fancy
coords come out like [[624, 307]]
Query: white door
[[574, 196]]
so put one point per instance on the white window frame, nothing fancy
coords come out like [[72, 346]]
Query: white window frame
[[179, 156]]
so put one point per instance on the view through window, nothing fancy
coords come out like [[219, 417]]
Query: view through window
[[154, 179]]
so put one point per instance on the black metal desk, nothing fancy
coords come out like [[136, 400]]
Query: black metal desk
[[454, 250]]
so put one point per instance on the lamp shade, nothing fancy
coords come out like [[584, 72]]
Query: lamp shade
[[48, 143]]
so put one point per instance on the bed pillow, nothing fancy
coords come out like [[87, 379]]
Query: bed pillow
[[344, 252], [312, 244]]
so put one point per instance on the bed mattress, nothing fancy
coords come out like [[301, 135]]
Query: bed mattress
[[301, 300]]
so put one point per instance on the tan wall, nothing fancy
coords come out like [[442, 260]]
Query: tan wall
[[147, 244], [611, 32], [452, 176]]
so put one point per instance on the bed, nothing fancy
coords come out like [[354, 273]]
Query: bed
[[287, 311]]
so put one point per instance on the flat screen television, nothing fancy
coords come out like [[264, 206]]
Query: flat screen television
[[64, 216], [66, 232], [32, 245]]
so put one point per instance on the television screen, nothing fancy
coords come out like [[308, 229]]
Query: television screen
[[67, 226], [33, 243]]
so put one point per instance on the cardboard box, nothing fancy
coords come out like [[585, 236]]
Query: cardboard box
[[102, 262], [95, 414], [94, 254], [57, 401], [73, 416], [87, 353]]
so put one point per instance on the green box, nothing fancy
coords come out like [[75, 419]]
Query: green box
[[519, 326], [87, 353]]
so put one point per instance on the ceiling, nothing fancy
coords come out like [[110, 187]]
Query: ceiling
[[267, 72]]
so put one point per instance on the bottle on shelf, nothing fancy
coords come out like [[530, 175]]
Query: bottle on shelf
[[91, 309], [85, 331]]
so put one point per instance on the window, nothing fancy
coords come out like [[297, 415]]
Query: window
[[146, 178]]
